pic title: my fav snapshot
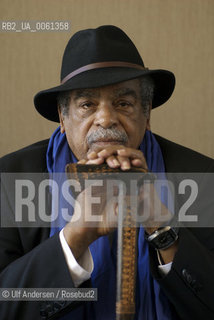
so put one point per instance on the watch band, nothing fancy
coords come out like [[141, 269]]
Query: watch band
[[163, 237]]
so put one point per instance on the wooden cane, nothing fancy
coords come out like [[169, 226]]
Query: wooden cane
[[127, 237]]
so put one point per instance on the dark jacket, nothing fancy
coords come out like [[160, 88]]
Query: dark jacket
[[29, 258]]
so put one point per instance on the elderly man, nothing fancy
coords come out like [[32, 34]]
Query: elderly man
[[103, 105]]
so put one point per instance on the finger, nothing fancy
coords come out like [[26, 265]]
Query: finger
[[112, 162], [92, 155], [82, 161], [107, 152], [124, 163], [139, 163], [95, 161], [137, 157], [130, 153]]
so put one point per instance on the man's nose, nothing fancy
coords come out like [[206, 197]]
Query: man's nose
[[105, 116]]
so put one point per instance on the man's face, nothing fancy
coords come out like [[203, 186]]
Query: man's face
[[104, 116]]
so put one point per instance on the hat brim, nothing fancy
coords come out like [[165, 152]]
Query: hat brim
[[46, 101]]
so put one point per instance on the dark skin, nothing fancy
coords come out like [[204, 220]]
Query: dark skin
[[116, 107]]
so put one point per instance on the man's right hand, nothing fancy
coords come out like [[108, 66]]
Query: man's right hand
[[80, 232]]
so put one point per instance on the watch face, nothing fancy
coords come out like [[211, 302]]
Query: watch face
[[164, 239]]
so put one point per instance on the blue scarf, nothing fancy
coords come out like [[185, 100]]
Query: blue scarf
[[151, 303]]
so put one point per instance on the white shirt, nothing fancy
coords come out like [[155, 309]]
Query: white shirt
[[81, 271]]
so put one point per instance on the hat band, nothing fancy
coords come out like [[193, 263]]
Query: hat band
[[102, 65]]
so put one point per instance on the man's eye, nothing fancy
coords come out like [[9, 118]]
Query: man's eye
[[124, 104], [86, 105]]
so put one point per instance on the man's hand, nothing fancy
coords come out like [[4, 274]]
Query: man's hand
[[151, 205], [117, 156], [90, 221], [78, 233]]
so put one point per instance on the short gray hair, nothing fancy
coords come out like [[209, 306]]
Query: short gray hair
[[147, 88], [146, 93], [63, 101]]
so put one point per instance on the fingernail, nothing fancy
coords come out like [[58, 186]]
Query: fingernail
[[126, 166], [115, 162]]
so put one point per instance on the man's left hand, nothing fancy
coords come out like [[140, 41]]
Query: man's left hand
[[117, 156]]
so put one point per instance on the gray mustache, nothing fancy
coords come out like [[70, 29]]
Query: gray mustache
[[111, 134]]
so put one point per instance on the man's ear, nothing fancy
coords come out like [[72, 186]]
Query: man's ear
[[61, 120], [148, 126]]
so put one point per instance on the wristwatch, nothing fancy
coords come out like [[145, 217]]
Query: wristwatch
[[162, 238]]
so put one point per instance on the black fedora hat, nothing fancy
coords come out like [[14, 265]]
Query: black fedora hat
[[100, 57]]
